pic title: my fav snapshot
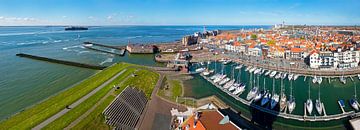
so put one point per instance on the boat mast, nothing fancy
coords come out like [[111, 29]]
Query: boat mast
[[264, 85], [281, 87], [291, 89], [233, 73], [239, 76], [273, 86], [251, 80], [355, 90], [319, 92], [309, 89], [258, 83]]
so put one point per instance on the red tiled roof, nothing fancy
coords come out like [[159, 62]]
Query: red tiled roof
[[209, 120]]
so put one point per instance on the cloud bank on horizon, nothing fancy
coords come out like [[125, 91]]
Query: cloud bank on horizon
[[178, 12]]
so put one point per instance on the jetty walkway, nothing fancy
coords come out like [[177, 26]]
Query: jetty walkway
[[285, 115], [71, 63]]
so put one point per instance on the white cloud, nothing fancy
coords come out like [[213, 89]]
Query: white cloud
[[110, 17], [294, 5], [91, 17], [64, 17]]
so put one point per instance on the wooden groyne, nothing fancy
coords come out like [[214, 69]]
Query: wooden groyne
[[70, 63]]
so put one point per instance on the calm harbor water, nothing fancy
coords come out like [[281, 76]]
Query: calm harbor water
[[329, 93], [24, 82]]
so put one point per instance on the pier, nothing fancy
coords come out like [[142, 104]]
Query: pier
[[285, 115], [120, 48], [122, 52], [70, 63]]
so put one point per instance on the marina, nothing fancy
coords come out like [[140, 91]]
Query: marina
[[286, 115]]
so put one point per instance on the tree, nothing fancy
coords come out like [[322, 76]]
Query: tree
[[254, 36], [271, 42]]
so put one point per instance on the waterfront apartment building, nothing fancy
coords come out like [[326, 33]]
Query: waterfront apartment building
[[334, 60]]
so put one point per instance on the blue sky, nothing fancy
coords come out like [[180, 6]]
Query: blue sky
[[179, 12]]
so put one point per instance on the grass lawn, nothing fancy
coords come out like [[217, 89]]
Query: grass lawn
[[76, 112], [171, 89], [39, 112], [176, 88]]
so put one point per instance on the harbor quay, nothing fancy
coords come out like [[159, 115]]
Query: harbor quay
[[279, 65]]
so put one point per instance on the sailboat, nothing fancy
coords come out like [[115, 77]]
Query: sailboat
[[267, 96], [267, 73], [232, 81], [284, 75], [282, 97], [216, 75], [343, 79], [272, 74], [274, 98], [353, 102], [319, 80], [239, 66], [259, 94], [314, 80], [252, 92], [318, 103], [291, 76], [221, 77], [278, 75], [248, 68], [291, 103], [309, 104], [208, 71], [296, 76]]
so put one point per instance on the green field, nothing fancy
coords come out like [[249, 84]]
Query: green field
[[39, 112], [145, 81]]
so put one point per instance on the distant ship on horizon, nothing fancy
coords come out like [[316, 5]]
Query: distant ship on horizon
[[73, 28]]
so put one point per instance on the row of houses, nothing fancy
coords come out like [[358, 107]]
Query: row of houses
[[317, 59]]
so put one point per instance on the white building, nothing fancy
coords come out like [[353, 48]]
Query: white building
[[314, 60]]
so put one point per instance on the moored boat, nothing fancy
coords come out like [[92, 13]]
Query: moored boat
[[284, 76], [319, 80], [282, 102], [225, 80], [318, 106], [354, 104], [274, 101], [230, 83], [199, 70], [278, 75], [266, 98], [267, 73], [343, 79], [252, 93], [290, 77], [291, 104], [273, 73], [296, 76]]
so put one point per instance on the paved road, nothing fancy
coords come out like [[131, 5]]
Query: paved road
[[156, 106], [64, 111]]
